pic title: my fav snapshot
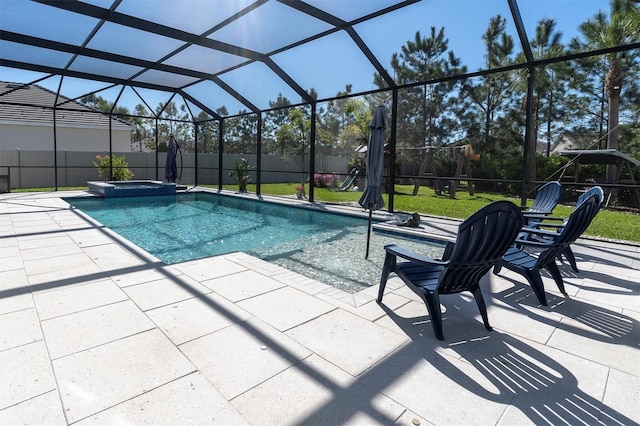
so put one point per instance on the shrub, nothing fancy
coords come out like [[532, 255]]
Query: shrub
[[119, 166], [242, 173], [326, 180], [358, 163]]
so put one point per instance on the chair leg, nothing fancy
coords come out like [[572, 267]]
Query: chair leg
[[389, 262], [557, 276], [568, 253], [534, 278], [477, 294], [432, 300], [497, 267]]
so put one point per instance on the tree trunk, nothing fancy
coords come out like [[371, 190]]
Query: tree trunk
[[487, 124], [530, 107], [531, 145], [613, 84]]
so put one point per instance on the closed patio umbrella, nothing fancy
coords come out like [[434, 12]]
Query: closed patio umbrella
[[371, 198], [170, 166]]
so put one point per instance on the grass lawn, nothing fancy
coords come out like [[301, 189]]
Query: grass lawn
[[610, 224]]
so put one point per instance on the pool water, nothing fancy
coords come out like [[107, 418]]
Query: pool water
[[324, 246]]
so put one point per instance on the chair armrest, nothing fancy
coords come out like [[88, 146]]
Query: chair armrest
[[533, 243], [537, 231], [413, 256], [540, 215], [535, 215], [448, 249], [552, 225], [558, 218]]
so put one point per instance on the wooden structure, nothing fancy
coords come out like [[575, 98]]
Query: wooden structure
[[464, 164], [620, 160], [428, 168]]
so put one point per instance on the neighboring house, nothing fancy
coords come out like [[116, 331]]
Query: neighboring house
[[571, 141], [26, 123]]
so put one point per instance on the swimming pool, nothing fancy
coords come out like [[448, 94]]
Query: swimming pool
[[324, 246]]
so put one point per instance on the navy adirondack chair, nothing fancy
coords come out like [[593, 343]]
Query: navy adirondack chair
[[547, 197], [550, 245], [553, 222], [482, 240]]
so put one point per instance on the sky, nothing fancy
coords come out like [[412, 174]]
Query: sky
[[325, 65]]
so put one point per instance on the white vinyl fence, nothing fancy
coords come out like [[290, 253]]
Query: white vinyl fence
[[35, 169]]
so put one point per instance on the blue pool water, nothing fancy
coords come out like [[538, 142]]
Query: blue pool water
[[323, 246]]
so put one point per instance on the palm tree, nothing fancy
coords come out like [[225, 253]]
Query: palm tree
[[602, 32]]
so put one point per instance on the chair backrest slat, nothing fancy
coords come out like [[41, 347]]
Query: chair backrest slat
[[595, 190], [482, 240], [576, 224], [547, 197]]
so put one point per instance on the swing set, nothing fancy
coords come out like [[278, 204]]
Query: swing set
[[463, 170]]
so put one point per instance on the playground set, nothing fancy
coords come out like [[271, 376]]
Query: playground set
[[428, 169], [463, 170]]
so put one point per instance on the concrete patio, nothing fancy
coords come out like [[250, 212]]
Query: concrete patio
[[93, 330]]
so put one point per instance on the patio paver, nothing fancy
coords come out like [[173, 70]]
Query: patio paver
[[329, 334], [101, 332], [253, 352], [82, 330], [285, 307], [104, 376], [67, 300], [188, 400], [193, 318], [26, 373], [157, 293]]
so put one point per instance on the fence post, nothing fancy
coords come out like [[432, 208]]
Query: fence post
[[19, 170], [66, 183]]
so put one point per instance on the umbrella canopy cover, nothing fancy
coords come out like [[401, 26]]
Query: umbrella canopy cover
[[371, 198], [170, 166]]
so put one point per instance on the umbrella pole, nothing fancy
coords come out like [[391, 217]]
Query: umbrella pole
[[366, 256]]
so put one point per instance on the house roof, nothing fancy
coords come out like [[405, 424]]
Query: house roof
[[31, 104], [599, 156]]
